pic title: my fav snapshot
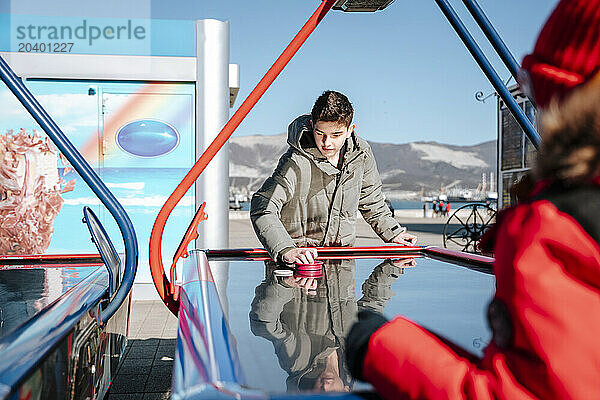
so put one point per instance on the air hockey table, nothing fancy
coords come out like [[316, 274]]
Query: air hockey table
[[259, 334]]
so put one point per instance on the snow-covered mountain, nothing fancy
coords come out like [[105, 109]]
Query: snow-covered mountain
[[404, 168]]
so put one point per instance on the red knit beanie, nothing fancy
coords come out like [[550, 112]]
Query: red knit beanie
[[567, 52]]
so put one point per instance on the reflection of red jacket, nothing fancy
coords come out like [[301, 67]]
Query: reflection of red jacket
[[548, 277]]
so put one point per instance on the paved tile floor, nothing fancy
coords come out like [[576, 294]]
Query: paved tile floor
[[146, 371], [428, 230]]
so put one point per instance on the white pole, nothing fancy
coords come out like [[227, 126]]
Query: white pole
[[212, 112]]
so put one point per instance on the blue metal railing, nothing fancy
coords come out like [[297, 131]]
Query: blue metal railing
[[206, 361], [493, 36], [488, 69], [20, 91]]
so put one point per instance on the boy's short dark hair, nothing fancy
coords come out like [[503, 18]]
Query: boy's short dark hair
[[332, 106]]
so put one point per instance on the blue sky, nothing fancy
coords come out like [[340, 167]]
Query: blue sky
[[405, 70]]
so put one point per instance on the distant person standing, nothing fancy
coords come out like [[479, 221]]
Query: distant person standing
[[441, 208], [389, 204], [434, 208], [447, 211], [424, 210]]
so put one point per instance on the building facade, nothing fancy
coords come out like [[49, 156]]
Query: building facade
[[516, 153]]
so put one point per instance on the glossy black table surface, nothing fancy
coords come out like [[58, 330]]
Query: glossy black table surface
[[289, 332], [27, 289]]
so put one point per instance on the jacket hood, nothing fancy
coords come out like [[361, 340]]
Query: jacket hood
[[296, 133]]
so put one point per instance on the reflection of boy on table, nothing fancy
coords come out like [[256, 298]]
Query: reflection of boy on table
[[325, 177], [307, 319]]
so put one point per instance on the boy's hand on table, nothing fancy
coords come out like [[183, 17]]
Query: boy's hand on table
[[300, 255], [405, 239], [309, 285], [404, 263]]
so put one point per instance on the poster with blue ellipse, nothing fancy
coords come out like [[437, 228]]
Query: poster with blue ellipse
[[147, 138]]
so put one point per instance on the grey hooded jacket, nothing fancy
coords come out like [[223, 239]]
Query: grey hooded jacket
[[309, 202]]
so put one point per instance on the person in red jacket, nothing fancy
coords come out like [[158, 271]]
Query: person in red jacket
[[545, 312]]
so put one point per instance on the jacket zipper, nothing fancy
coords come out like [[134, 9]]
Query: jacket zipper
[[338, 182]]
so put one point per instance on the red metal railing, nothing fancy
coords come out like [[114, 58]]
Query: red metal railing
[[330, 253], [60, 259], [161, 281], [473, 261]]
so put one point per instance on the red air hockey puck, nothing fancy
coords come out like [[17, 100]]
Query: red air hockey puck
[[316, 264], [308, 274], [314, 270], [309, 268]]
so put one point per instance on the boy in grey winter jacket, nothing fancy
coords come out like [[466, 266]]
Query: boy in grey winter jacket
[[325, 177]]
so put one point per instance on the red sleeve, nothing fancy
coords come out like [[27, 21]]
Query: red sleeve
[[405, 360]]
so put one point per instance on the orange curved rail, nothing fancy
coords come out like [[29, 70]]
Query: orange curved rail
[[161, 281], [190, 234]]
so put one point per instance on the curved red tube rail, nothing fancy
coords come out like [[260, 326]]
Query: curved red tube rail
[[161, 281], [190, 234]]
